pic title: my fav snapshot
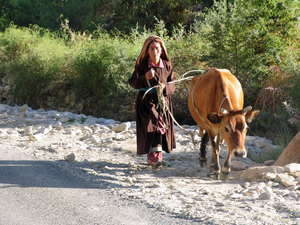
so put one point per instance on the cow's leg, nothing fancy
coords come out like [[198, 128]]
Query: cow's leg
[[202, 154], [215, 163], [224, 176]]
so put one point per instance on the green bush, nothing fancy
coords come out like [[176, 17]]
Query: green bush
[[34, 59], [87, 72], [247, 37]]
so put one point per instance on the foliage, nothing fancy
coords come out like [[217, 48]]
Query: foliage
[[247, 37], [83, 67], [122, 15]]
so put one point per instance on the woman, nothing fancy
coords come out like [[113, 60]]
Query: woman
[[155, 130]]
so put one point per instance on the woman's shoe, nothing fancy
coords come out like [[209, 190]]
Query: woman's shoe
[[155, 159]]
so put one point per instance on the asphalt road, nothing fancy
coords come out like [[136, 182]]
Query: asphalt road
[[37, 192]]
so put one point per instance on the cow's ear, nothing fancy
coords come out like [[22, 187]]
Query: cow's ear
[[251, 115], [214, 118]]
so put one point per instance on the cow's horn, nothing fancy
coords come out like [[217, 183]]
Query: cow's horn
[[224, 111], [247, 109]]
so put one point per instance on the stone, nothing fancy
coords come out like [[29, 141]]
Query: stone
[[90, 121], [24, 108], [238, 165], [249, 174], [3, 132], [285, 179], [2, 109], [63, 119], [262, 142], [122, 127], [59, 128], [87, 129], [28, 130], [70, 158], [253, 173], [264, 196], [269, 162], [36, 137], [290, 153], [95, 139], [260, 187], [269, 169], [270, 176], [46, 131], [109, 121], [246, 185], [292, 168]]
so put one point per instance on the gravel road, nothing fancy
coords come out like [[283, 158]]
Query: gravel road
[[38, 192]]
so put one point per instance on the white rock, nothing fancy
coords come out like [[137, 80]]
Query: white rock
[[100, 120], [36, 137], [56, 124], [95, 139], [253, 173], [129, 180], [109, 121], [90, 121], [236, 196], [50, 128], [46, 131], [59, 128], [71, 157], [264, 196], [63, 119], [3, 132], [285, 179], [24, 108], [269, 169], [2, 109], [262, 142], [246, 185], [260, 187], [284, 192], [87, 129], [270, 176], [292, 167], [119, 137], [122, 127], [238, 165], [269, 162], [268, 190], [28, 130]]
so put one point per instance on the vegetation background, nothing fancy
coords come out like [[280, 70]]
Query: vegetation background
[[78, 55]]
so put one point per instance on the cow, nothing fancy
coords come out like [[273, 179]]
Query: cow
[[216, 102]]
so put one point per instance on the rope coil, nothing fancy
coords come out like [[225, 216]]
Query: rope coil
[[163, 104]]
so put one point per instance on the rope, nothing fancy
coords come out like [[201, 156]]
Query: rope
[[163, 104]]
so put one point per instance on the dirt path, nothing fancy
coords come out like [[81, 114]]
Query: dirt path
[[108, 183], [38, 192]]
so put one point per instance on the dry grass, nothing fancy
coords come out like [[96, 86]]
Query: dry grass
[[273, 94]]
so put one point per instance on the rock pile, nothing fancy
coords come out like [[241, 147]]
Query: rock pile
[[103, 152]]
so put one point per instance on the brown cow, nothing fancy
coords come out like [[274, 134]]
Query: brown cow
[[216, 103]]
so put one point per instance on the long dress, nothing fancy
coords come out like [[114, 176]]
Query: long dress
[[145, 110]]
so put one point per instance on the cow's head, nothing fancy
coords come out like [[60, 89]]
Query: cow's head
[[233, 128]]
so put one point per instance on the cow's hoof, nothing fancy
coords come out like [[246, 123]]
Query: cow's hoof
[[224, 176], [214, 176], [203, 162]]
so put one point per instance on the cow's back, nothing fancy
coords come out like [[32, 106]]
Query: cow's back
[[214, 90]]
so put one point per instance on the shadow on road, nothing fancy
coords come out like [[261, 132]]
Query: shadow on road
[[30, 173]]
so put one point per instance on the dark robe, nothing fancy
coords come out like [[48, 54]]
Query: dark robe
[[145, 110]]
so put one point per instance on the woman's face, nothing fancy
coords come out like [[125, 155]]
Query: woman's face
[[154, 52]]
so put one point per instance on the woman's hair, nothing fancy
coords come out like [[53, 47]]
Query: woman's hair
[[144, 53]]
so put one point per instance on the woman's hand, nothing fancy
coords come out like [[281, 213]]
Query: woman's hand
[[150, 74], [163, 86]]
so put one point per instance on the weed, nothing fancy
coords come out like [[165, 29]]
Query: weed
[[83, 119]]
